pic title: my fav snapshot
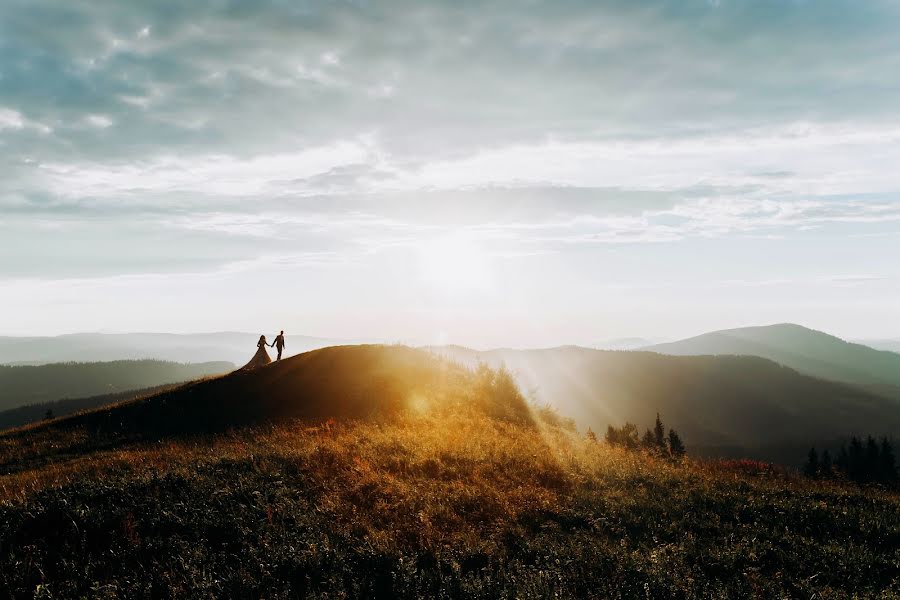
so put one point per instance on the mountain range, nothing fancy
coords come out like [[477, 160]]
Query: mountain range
[[766, 392], [805, 350], [722, 405], [29, 385], [881, 344], [236, 347]]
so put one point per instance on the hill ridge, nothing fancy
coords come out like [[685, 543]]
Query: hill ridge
[[806, 350]]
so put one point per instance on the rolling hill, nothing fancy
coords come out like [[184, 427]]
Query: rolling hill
[[26, 385], [385, 472], [32, 413], [722, 405], [804, 350]]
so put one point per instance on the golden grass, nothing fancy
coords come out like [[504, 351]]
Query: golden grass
[[459, 488]]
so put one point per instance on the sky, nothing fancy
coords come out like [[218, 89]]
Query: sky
[[486, 173]]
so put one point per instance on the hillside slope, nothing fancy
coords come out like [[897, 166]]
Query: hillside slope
[[32, 413], [24, 385], [450, 496], [341, 382], [805, 350], [722, 405]]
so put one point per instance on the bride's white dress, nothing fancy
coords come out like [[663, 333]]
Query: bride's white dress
[[260, 359]]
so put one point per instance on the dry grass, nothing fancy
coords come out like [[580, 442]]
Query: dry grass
[[457, 491], [435, 504]]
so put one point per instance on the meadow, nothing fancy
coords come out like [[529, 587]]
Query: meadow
[[446, 497]]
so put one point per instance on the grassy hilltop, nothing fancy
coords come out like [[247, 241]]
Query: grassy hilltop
[[386, 472]]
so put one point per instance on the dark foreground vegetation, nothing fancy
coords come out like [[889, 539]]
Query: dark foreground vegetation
[[451, 486], [869, 462]]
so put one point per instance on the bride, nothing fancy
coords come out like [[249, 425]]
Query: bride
[[261, 358]]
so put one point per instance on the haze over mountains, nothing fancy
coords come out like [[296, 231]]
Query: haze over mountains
[[723, 405], [805, 350], [766, 392], [233, 347], [881, 344], [27, 385]]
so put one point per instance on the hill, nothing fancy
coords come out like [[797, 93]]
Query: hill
[[32, 413], [26, 385], [626, 343], [233, 347], [439, 486], [805, 350], [341, 382], [722, 405]]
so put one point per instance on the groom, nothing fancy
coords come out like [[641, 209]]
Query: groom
[[279, 343]]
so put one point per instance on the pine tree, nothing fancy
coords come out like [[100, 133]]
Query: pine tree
[[591, 436], [48, 415], [612, 435], [855, 461], [826, 468], [676, 447], [659, 433], [887, 462], [842, 464], [628, 436], [648, 441], [872, 460], [811, 466]]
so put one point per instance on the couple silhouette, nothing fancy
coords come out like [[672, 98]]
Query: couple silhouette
[[262, 358]]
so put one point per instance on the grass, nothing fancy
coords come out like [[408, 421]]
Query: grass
[[442, 499]]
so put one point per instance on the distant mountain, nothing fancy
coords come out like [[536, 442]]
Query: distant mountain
[[806, 350], [881, 344], [233, 347], [625, 343], [24, 385], [722, 405]]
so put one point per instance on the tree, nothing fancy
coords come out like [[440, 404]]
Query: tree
[[887, 470], [676, 446], [612, 435], [591, 435], [826, 467], [627, 436], [659, 433], [856, 460], [48, 415], [811, 466], [872, 460], [843, 460], [648, 441]]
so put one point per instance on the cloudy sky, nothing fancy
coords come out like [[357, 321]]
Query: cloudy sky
[[491, 173]]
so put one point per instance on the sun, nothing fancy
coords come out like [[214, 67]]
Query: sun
[[454, 264]]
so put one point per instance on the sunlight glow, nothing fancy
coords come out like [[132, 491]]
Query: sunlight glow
[[454, 264]]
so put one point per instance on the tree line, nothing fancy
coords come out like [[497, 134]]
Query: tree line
[[872, 461], [655, 441]]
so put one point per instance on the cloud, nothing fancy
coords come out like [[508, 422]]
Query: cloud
[[161, 138], [278, 77]]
